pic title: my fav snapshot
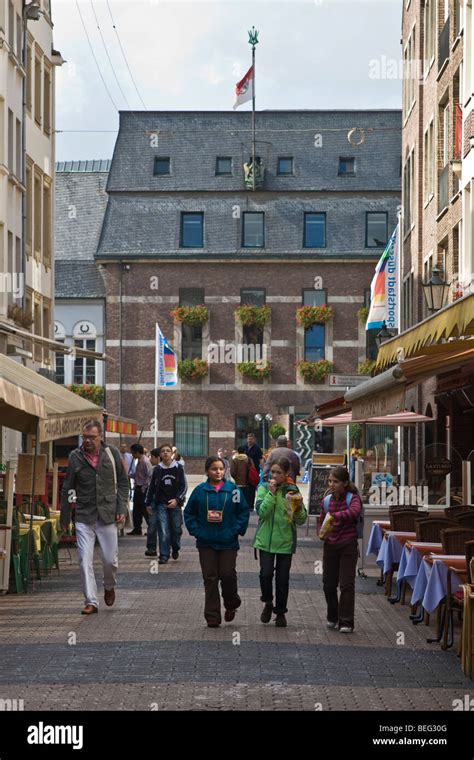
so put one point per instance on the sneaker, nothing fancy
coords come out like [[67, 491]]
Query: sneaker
[[346, 629], [266, 615], [150, 553], [162, 561], [229, 615], [331, 625], [175, 554], [213, 624], [134, 533], [280, 621]]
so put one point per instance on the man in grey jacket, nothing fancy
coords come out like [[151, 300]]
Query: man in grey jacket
[[283, 450], [96, 482]]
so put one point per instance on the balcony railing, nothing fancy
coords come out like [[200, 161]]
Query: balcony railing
[[443, 188], [443, 45]]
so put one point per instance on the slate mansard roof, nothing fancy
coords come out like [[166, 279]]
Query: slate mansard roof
[[194, 139], [80, 204], [142, 217]]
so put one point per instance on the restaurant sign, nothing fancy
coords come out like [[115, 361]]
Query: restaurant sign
[[380, 404], [438, 466], [54, 428]]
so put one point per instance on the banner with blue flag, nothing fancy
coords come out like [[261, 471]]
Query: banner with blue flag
[[384, 289], [167, 363]]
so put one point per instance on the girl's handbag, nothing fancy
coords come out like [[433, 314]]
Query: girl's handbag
[[254, 478]]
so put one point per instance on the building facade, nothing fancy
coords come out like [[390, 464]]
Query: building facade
[[182, 228], [27, 156]]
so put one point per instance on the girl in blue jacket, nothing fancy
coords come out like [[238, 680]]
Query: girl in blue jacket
[[216, 514]]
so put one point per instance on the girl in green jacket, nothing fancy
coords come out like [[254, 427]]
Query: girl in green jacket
[[280, 508]]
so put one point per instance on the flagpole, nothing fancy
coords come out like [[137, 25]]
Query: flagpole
[[157, 379], [253, 40]]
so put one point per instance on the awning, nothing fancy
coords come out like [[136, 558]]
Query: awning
[[54, 345], [378, 396], [120, 425], [448, 357], [455, 320], [402, 418], [64, 412], [19, 408]]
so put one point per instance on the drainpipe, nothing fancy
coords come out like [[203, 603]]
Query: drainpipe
[[120, 337]]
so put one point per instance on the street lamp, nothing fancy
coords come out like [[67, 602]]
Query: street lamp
[[383, 335], [436, 291], [259, 418]]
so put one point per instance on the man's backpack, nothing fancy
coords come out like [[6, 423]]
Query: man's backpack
[[360, 519]]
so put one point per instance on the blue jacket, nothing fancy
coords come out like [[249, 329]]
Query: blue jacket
[[235, 516]]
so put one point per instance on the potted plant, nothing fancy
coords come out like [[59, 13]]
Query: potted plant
[[191, 315], [191, 370], [363, 314], [366, 367], [253, 315], [315, 372], [255, 370], [277, 430], [89, 391], [312, 315]]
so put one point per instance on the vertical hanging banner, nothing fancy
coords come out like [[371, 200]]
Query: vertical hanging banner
[[167, 365], [384, 289]]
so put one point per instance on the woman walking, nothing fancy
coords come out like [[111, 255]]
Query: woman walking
[[341, 549], [216, 514], [280, 509]]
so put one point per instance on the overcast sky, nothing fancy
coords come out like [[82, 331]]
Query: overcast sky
[[189, 55]]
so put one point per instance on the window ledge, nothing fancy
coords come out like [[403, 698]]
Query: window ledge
[[442, 213], [455, 197], [16, 182], [442, 69], [427, 202]]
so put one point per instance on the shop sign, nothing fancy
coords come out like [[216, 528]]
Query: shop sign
[[438, 467]]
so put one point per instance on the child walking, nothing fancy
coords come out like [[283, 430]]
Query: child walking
[[341, 549], [216, 514], [276, 537]]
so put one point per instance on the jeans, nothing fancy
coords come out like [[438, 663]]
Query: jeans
[[107, 537], [339, 568], [219, 566], [169, 525], [268, 562]]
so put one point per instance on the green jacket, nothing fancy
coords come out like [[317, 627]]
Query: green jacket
[[275, 533]]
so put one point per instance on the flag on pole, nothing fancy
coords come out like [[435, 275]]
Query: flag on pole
[[384, 287], [243, 89], [167, 364]]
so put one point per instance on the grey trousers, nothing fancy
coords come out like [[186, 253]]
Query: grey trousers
[[107, 537]]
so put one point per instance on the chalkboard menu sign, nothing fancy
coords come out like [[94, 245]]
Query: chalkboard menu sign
[[318, 487]]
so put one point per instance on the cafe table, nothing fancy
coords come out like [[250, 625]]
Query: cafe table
[[411, 559], [376, 536]]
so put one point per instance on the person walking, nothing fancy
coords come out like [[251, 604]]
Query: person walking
[[143, 473], [280, 509], [97, 483], [254, 451], [282, 449], [341, 549], [223, 454], [241, 470], [177, 456], [164, 500], [216, 514]]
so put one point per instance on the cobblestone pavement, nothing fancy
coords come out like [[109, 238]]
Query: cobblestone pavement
[[152, 650]]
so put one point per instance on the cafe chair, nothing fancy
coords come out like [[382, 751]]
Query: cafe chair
[[454, 540], [466, 519], [455, 602], [457, 509], [428, 529], [404, 520]]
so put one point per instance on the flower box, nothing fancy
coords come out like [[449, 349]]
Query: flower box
[[313, 315], [192, 370], [255, 370], [253, 315], [315, 372], [191, 315]]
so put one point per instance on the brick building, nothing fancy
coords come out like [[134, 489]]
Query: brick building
[[181, 228]]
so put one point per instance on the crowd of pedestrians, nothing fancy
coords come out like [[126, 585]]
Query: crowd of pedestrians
[[100, 480]]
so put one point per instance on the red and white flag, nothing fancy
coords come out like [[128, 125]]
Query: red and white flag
[[244, 89]]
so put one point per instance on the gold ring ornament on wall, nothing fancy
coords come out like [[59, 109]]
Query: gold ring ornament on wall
[[356, 136]]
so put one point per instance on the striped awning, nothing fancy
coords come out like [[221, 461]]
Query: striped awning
[[121, 425], [455, 320], [402, 418]]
